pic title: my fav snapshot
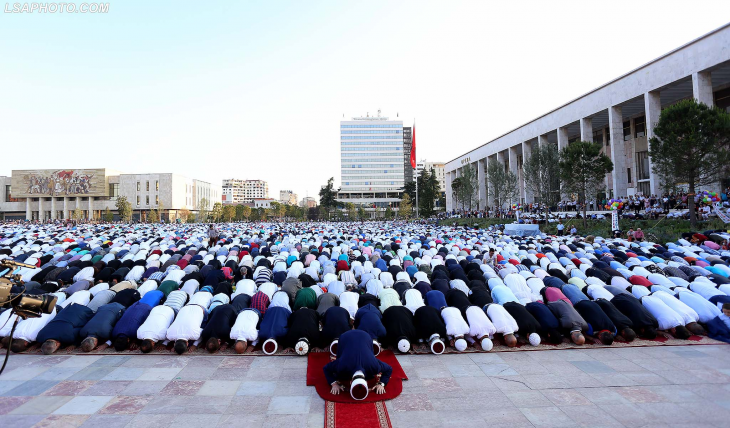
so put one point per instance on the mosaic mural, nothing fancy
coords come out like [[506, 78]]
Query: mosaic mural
[[65, 182]]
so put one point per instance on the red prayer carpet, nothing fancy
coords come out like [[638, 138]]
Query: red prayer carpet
[[360, 415]]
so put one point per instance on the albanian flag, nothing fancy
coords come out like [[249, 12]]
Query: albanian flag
[[413, 148]]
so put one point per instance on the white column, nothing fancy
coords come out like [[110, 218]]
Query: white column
[[54, 214], [459, 203], [65, 208], [490, 198], [512, 155], [526, 153], [541, 140], [652, 108], [78, 203], [40, 209], [618, 155], [562, 137], [91, 208], [449, 198], [28, 213], [702, 87], [586, 129], [482, 178]]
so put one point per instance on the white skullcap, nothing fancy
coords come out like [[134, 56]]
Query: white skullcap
[[487, 344], [534, 339], [404, 345], [302, 347], [460, 345]]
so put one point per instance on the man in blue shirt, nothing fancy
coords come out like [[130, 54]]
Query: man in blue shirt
[[356, 363]]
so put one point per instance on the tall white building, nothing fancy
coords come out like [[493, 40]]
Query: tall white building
[[371, 155], [236, 191]]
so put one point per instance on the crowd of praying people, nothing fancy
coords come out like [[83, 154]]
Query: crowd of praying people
[[304, 285]]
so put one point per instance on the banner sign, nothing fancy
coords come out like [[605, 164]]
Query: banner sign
[[722, 215], [614, 220]]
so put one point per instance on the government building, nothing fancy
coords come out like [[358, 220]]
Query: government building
[[620, 114], [50, 194]]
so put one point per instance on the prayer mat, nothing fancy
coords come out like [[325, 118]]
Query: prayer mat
[[315, 377], [356, 415]]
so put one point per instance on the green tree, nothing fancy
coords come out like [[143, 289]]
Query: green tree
[[275, 208], [239, 212], [190, 218], [246, 212], [229, 211], [542, 174], [124, 208], [203, 207], [428, 192], [406, 207], [503, 185], [153, 216], [184, 215], [410, 188], [281, 212], [583, 169], [108, 215], [456, 192], [351, 211], [217, 212], [469, 186], [261, 213], [389, 213], [361, 213], [328, 196], [691, 145], [77, 214]]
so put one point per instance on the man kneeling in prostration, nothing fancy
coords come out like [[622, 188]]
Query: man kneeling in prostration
[[356, 363]]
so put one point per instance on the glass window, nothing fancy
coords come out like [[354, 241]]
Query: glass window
[[148, 186], [628, 174], [640, 126], [157, 185], [157, 200], [137, 199], [642, 163], [147, 200], [139, 186], [627, 130]]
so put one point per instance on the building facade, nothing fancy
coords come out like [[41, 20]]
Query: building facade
[[288, 197], [620, 114], [235, 191], [372, 166], [57, 194], [308, 202], [407, 144]]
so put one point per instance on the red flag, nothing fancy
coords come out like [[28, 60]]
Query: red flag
[[413, 147]]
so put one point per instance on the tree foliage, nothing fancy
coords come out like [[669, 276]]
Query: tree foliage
[[229, 212], [455, 191], [503, 185], [542, 174], [217, 212], [583, 169], [203, 207], [328, 195], [108, 215], [351, 210], [124, 208], [77, 214], [468, 189], [184, 215], [428, 192], [406, 207], [691, 146], [153, 216]]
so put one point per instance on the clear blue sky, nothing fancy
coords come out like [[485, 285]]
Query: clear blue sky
[[256, 89]]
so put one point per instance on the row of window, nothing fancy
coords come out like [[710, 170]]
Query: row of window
[[346, 157], [370, 165], [372, 149], [147, 186], [372, 143], [373, 183], [371, 137], [374, 176], [395, 131], [384, 125], [147, 200], [371, 171]]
